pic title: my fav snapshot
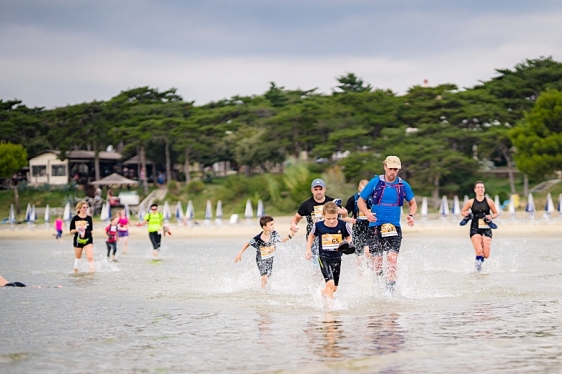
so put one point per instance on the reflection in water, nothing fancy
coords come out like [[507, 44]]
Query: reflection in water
[[326, 337], [384, 334]]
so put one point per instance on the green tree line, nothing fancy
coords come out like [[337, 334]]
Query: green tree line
[[441, 133]]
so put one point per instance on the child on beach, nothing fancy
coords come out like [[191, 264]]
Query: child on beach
[[111, 237], [264, 243], [58, 227], [331, 232]]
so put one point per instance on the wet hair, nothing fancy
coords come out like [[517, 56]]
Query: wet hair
[[154, 205], [330, 208], [80, 205], [264, 220], [477, 183]]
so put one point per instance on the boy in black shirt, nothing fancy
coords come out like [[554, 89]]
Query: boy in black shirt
[[264, 243], [330, 232]]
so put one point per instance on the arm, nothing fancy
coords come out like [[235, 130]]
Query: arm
[[493, 208], [309, 242], [289, 236], [362, 205], [413, 208], [466, 207], [342, 212], [295, 221], [239, 255]]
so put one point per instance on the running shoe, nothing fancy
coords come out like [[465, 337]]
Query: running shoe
[[391, 286], [466, 219], [490, 223], [479, 265]]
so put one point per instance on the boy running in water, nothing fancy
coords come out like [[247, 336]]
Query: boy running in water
[[330, 232], [111, 237], [264, 243]]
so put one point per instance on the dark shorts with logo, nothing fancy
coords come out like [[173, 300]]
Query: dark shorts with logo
[[265, 266], [330, 268], [360, 236], [81, 243], [483, 232], [377, 244]]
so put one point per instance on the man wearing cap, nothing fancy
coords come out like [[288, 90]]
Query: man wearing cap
[[387, 193], [312, 210]]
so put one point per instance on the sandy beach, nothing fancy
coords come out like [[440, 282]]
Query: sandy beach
[[521, 227]]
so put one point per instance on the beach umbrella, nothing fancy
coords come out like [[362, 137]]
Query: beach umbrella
[[444, 208], [189, 212], [33, 214], [104, 216], [141, 213], [248, 213], [218, 214], [511, 207], [465, 200], [166, 212], [549, 208], [208, 212], [560, 203], [530, 208], [12, 216], [179, 212], [47, 214], [424, 209], [28, 213], [498, 205], [67, 214], [261, 210], [127, 210], [456, 206]]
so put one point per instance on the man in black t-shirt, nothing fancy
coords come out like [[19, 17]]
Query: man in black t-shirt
[[312, 210]]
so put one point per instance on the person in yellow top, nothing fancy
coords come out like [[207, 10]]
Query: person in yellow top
[[155, 221]]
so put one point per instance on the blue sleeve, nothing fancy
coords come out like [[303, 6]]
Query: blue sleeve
[[409, 192], [369, 188]]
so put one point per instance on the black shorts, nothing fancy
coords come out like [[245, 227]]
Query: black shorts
[[330, 268], [360, 236], [483, 232], [81, 243], [265, 266], [377, 244]]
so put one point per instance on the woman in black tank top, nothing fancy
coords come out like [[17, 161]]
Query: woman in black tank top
[[483, 210]]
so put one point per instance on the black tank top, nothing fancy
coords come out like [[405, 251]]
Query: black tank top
[[480, 208]]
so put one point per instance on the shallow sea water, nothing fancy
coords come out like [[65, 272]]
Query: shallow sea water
[[197, 311]]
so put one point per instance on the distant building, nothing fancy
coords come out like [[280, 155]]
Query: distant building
[[46, 167]]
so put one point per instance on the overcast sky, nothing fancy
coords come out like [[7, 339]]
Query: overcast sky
[[59, 52]]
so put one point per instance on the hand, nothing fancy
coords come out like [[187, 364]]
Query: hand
[[410, 220], [308, 255], [294, 229], [371, 217], [238, 258]]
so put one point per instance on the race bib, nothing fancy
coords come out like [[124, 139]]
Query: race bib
[[482, 224], [388, 229], [331, 242], [317, 213], [122, 228], [361, 216], [267, 252]]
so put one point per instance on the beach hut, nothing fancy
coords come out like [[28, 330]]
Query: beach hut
[[218, 214], [166, 212], [208, 212], [498, 205], [530, 208], [261, 209], [456, 206], [444, 208], [424, 209]]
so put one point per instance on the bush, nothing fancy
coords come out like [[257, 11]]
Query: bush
[[195, 186]]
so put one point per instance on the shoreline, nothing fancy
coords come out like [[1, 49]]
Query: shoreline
[[247, 229]]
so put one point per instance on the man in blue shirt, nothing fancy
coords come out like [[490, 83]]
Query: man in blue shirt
[[387, 193]]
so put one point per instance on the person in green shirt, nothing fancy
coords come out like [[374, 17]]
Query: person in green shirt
[[155, 221]]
